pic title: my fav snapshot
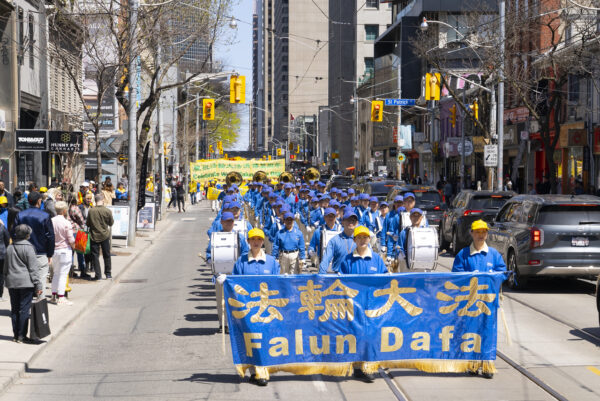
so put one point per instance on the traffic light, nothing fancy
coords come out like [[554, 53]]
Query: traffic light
[[292, 157], [220, 147], [291, 146], [377, 110], [269, 157], [433, 86], [237, 89], [208, 109], [298, 149], [453, 115], [475, 109], [279, 152]]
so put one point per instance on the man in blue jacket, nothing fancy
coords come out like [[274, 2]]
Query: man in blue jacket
[[289, 247], [42, 233], [340, 245]]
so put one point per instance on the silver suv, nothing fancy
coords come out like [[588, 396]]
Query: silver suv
[[548, 235]]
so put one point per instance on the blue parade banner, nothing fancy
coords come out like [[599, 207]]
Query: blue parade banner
[[328, 324]]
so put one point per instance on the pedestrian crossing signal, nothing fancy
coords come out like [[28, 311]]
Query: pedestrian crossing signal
[[377, 110], [208, 109], [237, 89], [433, 86]]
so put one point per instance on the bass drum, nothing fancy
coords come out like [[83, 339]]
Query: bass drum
[[224, 251], [422, 249]]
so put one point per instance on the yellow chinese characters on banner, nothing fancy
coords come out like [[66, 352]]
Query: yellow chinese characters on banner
[[217, 169]]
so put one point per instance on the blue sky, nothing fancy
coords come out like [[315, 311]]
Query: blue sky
[[235, 52]]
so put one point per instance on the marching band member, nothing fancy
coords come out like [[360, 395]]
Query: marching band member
[[363, 205], [331, 224], [416, 218], [255, 262], [389, 225], [289, 242], [354, 202], [289, 197], [371, 215], [345, 198], [321, 187], [340, 245], [362, 261], [383, 211], [216, 225], [478, 256], [227, 221]]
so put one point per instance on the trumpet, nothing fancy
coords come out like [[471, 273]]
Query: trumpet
[[233, 178]]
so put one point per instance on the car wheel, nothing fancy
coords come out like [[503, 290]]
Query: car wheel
[[455, 244], [443, 243], [515, 280]]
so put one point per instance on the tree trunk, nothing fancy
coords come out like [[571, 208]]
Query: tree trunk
[[98, 154]]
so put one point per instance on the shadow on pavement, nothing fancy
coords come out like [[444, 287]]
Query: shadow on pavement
[[201, 317], [205, 307], [203, 293], [195, 331], [213, 378], [202, 286], [590, 334], [5, 312]]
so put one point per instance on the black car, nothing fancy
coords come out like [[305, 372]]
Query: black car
[[427, 199], [548, 235], [467, 207], [340, 182], [380, 189]]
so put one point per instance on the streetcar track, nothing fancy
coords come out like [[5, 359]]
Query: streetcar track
[[393, 385]]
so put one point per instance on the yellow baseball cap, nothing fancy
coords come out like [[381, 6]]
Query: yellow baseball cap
[[43, 189], [479, 225], [3, 200], [256, 232], [362, 230]]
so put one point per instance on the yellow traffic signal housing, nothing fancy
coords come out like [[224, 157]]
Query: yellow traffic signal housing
[[269, 157], [279, 152], [377, 110], [475, 109], [208, 109], [210, 149], [453, 115], [291, 146], [433, 86], [237, 89], [298, 149]]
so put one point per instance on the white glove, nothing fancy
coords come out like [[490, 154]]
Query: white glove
[[297, 215], [311, 253], [389, 259], [384, 249], [221, 278]]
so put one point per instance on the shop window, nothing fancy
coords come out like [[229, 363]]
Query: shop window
[[372, 3]]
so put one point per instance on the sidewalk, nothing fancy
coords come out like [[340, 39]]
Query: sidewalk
[[15, 358]]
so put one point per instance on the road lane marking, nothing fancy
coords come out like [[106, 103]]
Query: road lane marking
[[594, 370]]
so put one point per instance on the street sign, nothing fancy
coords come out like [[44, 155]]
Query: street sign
[[399, 102], [401, 157], [468, 147], [490, 155]]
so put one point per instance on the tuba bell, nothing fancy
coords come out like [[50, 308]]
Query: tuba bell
[[286, 177], [260, 176], [311, 174], [233, 178]]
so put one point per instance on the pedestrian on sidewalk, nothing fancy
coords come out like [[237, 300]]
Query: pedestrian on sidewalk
[[63, 253], [78, 222], [4, 242], [23, 280], [99, 221], [42, 233], [180, 190]]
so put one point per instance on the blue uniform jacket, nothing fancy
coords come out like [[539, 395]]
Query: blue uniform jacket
[[244, 248], [354, 264], [337, 249], [256, 267], [316, 217], [288, 241], [315, 241], [291, 200], [482, 261], [369, 220]]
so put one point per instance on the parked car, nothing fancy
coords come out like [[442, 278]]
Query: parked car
[[380, 189], [426, 198], [324, 178], [339, 181], [548, 235], [467, 207]]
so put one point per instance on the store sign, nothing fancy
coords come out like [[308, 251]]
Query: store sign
[[31, 139], [65, 141], [516, 115], [577, 137]]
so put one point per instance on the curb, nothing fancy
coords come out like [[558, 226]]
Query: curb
[[20, 372]]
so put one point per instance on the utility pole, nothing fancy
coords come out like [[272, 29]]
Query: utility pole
[[185, 143], [197, 127], [462, 153], [501, 98], [132, 124]]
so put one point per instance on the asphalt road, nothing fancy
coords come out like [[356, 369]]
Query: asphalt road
[[153, 336]]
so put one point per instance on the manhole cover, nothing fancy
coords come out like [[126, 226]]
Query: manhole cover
[[133, 280]]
